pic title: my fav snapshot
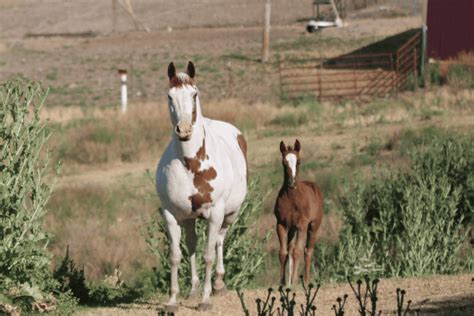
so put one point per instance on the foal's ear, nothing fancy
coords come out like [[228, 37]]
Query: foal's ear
[[297, 145], [191, 70], [171, 71], [282, 147]]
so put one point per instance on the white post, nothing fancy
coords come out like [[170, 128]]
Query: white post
[[123, 89]]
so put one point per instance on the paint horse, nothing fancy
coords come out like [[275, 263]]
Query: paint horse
[[202, 174], [299, 212]]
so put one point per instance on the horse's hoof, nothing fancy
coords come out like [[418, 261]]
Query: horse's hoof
[[193, 295], [219, 292], [169, 308], [203, 307]]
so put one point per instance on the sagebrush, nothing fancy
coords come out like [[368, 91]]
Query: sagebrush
[[407, 223], [25, 277]]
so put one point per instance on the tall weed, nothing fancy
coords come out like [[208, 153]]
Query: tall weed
[[25, 277]]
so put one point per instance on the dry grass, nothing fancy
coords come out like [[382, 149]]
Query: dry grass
[[104, 136]]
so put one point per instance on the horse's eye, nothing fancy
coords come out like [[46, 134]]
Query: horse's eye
[[170, 98], [298, 162]]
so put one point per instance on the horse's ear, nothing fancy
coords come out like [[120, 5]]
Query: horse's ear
[[191, 70], [297, 145], [171, 71], [282, 147]]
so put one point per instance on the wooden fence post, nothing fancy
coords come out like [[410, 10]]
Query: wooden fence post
[[415, 72], [319, 79], [266, 32]]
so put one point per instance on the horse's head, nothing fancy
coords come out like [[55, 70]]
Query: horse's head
[[291, 161], [183, 101]]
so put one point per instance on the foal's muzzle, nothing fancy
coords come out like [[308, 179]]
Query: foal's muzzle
[[184, 130]]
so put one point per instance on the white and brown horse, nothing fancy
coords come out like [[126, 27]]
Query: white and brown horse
[[202, 174], [299, 212]]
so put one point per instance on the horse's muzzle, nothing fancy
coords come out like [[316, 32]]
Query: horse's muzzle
[[184, 130]]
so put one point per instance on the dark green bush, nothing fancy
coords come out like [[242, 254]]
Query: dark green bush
[[25, 277], [243, 251], [71, 279], [407, 223]]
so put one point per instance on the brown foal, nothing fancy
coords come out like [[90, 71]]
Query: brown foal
[[299, 211]]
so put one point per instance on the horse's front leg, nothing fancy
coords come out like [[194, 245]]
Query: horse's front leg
[[191, 242], [174, 234], [213, 226], [219, 285]]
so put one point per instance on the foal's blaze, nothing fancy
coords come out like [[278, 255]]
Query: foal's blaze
[[291, 162], [201, 178], [243, 147]]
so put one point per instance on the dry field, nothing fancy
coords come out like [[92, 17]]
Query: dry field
[[104, 197]]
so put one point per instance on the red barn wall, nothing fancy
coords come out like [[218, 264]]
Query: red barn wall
[[450, 27]]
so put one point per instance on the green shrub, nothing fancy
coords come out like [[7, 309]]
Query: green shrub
[[71, 279], [243, 250], [25, 276], [460, 76], [407, 223], [434, 74]]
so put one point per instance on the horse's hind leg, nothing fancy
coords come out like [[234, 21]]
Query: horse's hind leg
[[174, 234], [308, 253], [191, 242], [298, 251]]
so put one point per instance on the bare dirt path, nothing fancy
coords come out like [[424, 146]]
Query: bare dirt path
[[435, 295]]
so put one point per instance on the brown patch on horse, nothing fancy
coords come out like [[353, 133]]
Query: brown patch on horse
[[243, 147], [180, 80], [201, 178]]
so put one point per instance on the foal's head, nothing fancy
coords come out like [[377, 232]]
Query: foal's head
[[291, 161], [183, 101]]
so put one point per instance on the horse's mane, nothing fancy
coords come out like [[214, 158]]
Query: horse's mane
[[180, 80]]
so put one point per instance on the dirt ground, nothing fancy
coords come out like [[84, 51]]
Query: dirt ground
[[445, 295], [83, 70]]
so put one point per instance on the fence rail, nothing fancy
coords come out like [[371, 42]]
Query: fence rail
[[352, 75]]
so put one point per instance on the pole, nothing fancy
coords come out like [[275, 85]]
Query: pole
[[114, 15], [266, 32], [123, 89]]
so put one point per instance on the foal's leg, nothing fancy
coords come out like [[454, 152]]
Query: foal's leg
[[298, 251], [214, 224], [283, 254], [291, 249], [191, 242], [174, 234], [310, 242]]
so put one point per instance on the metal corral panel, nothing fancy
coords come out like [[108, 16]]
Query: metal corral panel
[[450, 27]]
